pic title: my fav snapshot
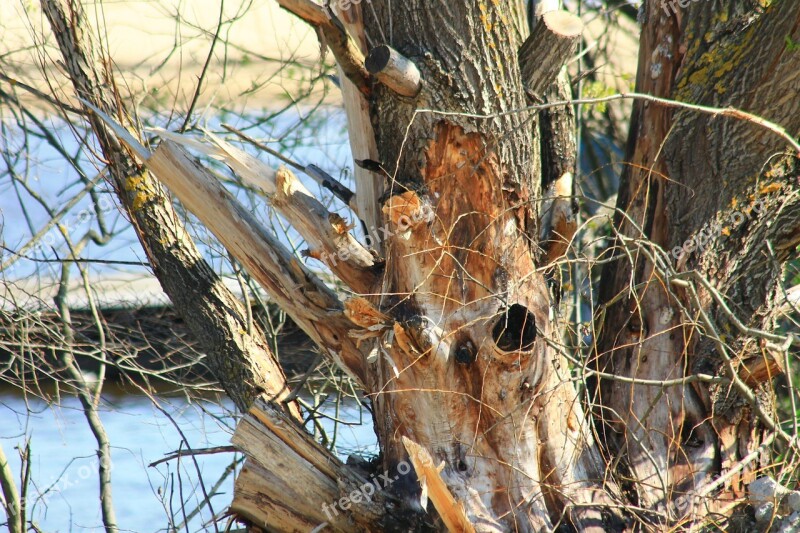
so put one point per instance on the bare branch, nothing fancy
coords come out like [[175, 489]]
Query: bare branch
[[314, 307], [203, 451], [347, 52], [398, 73], [327, 233]]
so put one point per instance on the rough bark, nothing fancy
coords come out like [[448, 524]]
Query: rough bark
[[727, 183], [470, 311], [456, 347], [543, 54], [238, 354]]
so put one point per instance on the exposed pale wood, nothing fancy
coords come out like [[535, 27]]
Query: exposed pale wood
[[312, 305], [557, 224], [327, 234], [450, 510], [349, 55], [449, 367], [537, 8], [369, 185], [547, 49], [291, 483], [265, 498], [395, 71], [322, 178]]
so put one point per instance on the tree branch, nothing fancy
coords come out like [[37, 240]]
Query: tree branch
[[322, 178], [547, 49], [327, 233], [311, 304], [242, 363], [347, 52]]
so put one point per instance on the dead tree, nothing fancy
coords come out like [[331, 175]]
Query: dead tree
[[481, 423]]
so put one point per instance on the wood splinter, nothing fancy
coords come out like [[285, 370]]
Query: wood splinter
[[429, 475], [394, 70], [761, 369]]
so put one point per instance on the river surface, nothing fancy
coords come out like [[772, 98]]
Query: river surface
[[63, 495]]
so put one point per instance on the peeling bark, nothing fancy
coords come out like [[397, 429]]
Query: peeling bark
[[686, 175]]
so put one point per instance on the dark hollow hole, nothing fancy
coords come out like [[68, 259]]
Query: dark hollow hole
[[466, 353], [515, 330]]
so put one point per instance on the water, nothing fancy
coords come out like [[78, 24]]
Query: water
[[63, 496], [42, 171]]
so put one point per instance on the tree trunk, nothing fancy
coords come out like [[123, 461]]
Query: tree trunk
[[719, 197], [479, 417], [238, 353], [470, 311]]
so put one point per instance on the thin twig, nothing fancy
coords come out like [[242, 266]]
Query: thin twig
[[39, 94], [714, 111], [203, 72], [193, 451]]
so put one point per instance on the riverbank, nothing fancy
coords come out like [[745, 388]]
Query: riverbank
[[141, 334], [255, 55]]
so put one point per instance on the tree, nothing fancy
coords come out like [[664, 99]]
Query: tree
[[488, 417]]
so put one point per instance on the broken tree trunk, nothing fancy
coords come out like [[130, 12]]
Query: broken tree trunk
[[720, 200], [476, 407], [239, 356], [467, 309]]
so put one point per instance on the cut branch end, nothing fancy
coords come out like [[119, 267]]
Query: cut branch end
[[547, 49], [394, 70]]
